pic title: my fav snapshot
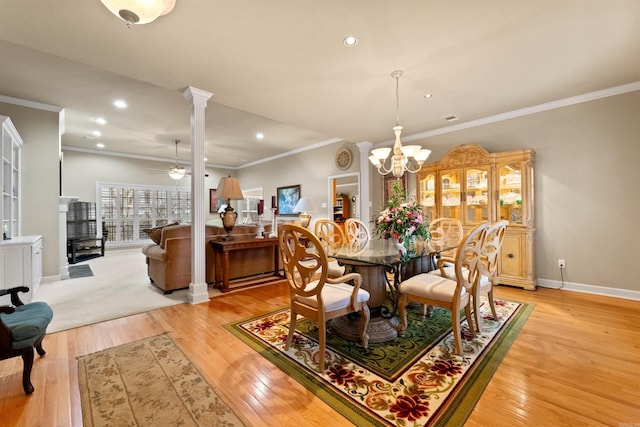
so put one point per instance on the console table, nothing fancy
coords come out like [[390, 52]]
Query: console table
[[242, 258]]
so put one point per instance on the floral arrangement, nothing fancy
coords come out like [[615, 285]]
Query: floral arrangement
[[401, 219]]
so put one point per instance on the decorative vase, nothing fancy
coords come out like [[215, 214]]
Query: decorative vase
[[402, 248], [409, 244]]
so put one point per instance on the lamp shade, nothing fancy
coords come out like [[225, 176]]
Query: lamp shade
[[304, 205], [139, 11], [229, 188]]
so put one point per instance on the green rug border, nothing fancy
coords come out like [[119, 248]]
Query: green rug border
[[464, 400]]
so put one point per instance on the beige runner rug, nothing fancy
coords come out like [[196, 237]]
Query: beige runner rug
[[148, 383]]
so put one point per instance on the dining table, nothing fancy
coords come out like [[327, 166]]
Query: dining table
[[383, 264]]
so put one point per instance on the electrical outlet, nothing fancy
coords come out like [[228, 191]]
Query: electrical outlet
[[561, 263]]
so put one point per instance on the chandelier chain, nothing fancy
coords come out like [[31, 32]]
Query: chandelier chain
[[397, 100]]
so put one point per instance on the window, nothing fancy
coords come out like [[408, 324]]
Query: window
[[127, 209]]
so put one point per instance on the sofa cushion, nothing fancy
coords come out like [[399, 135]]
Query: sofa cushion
[[173, 231], [156, 233]]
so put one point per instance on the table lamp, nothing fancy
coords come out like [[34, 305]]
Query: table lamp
[[229, 189], [304, 206]]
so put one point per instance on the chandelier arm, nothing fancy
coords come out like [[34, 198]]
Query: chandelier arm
[[406, 167], [382, 170]]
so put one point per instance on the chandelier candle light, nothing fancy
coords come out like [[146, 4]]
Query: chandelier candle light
[[403, 157]]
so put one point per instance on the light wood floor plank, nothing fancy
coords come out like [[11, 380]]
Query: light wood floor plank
[[574, 363]]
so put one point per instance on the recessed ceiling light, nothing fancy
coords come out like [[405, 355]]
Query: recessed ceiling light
[[120, 104], [428, 95], [96, 133], [100, 121], [100, 145], [350, 41], [260, 135], [205, 159], [450, 118]]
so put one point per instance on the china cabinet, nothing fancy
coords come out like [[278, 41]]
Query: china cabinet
[[474, 186], [11, 146]]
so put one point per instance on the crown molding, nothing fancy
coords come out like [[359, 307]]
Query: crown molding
[[565, 102]]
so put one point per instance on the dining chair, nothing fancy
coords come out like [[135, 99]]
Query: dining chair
[[445, 233], [490, 250], [313, 293], [331, 235], [356, 231], [454, 295]]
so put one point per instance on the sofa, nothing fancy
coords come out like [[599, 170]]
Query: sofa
[[168, 258]]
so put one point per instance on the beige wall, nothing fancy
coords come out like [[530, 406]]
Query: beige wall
[[83, 170], [310, 169], [40, 178], [586, 194], [585, 183]]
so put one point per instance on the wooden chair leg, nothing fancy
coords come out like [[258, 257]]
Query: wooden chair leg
[[364, 322], [322, 339], [457, 337], [27, 362], [476, 313], [292, 329], [467, 311], [492, 305], [38, 346]]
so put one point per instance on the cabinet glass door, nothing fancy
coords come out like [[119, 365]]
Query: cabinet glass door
[[510, 182], [476, 196], [427, 196], [451, 202]]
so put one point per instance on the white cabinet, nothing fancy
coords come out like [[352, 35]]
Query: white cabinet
[[21, 265], [10, 149]]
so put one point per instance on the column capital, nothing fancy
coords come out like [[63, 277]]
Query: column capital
[[197, 96]]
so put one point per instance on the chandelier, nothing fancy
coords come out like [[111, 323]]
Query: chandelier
[[139, 11], [409, 158]]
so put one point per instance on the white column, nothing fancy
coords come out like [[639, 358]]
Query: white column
[[63, 209], [365, 182], [198, 287]]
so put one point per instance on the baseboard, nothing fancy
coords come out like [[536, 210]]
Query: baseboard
[[590, 289]]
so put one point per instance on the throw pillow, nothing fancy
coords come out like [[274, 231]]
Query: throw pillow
[[155, 233]]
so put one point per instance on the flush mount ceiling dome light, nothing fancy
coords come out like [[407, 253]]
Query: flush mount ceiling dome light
[[409, 158], [139, 11]]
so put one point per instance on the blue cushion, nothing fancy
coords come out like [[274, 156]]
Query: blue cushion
[[27, 323]]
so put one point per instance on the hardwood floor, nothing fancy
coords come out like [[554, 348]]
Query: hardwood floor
[[575, 362]]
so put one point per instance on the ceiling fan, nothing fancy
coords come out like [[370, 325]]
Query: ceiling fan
[[176, 171]]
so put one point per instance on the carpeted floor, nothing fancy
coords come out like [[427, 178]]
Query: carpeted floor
[[119, 287], [414, 380], [148, 383]]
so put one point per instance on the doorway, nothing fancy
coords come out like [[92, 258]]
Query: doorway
[[344, 196]]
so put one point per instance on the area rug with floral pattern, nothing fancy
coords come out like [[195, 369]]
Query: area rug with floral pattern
[[412, 380], [148, 383]]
